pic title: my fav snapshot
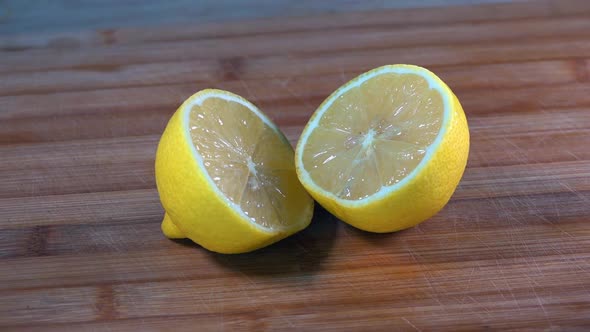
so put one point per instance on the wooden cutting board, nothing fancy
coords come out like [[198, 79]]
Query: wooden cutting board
[[81, 113]]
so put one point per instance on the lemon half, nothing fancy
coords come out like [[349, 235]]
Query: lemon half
[[226, 176], [386, 150]]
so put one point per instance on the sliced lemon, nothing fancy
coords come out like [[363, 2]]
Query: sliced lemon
[[226, 176], [386, 150]]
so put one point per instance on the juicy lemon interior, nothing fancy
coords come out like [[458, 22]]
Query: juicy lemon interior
[[249, 162], [373, 135]]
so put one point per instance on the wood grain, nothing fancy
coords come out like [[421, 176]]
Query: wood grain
[[81, 111], [64, 15]]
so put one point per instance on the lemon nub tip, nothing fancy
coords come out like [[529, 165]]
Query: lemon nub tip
[[170, 230]]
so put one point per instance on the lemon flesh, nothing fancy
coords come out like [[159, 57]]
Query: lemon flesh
[[226, 176], [374, 135], [249, 161], [386, 150]]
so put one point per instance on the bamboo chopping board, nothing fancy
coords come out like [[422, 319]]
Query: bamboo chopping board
[[81, 114]]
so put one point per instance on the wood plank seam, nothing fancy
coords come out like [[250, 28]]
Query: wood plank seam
[[303, 53], [36, 244], [231, 71], [107, 35], [110, 304], [171, 316], [285, 123], [317, 98]]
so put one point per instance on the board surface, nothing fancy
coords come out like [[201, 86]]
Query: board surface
[[81, 112]]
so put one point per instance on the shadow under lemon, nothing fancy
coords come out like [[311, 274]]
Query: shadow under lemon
[[303, 253], [298, 255]]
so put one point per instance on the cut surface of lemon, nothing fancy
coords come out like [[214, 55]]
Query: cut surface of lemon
[[386, 150], [226, 176]]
